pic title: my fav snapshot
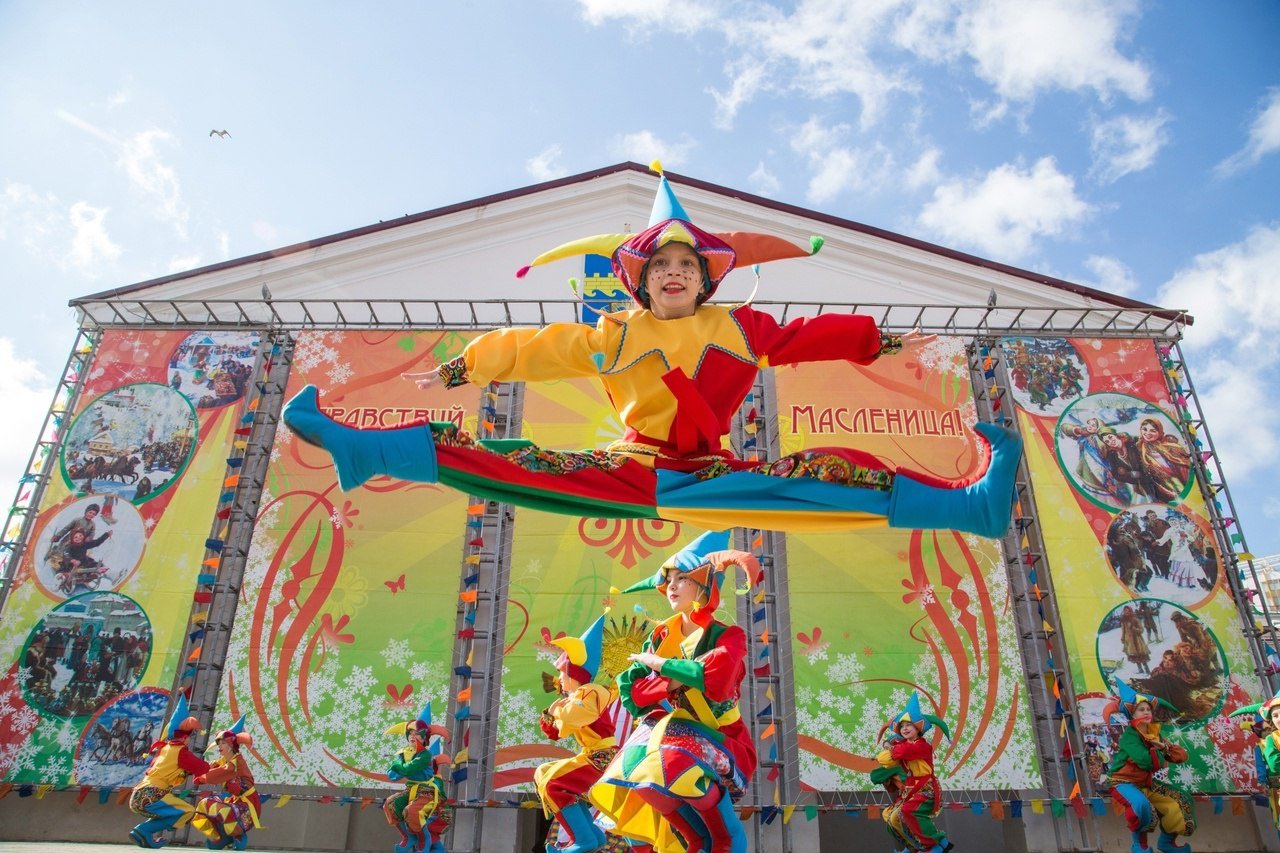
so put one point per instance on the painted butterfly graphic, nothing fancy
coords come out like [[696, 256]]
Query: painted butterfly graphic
[[396, 585]]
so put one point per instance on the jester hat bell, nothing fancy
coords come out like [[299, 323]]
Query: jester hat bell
[[181, 723], [913, 713], [669, 223], [581, 657]]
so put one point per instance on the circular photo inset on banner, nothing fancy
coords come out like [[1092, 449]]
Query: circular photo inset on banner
[[114, 746], [85, 652], [211, 369], [131, 442], [90, 544], [1047, 374], [1162, 649], [1119, 451], [1160, 552]]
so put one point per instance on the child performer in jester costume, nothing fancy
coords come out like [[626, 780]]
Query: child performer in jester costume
[[417, 811], [1266, 725], [676, 369], [172, 763], [1141, 752], [906, 764], [579, 713], [672, 785], [227, 820]]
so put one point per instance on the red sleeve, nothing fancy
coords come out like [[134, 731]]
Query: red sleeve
[[917, 750], [723, 668], [192, 765], [826, 337], [650, 690], [549, 727]]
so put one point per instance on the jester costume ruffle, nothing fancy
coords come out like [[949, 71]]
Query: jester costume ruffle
[[676, 385], [673, 783]]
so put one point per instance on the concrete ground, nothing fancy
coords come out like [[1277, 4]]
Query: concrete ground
[[77, 847]]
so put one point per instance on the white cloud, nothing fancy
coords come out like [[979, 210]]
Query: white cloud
[[27, 394], [90, 244], [644, 146], [1127, 144], [72, 237], [1007, 210], [1233, 346], [140, 159], [679, 15], [1022, 47], [924, 172], [182, 263], [546, 165], [1111, 275], [763, 181], [1264, 137], [836, 168], [1233, 293]]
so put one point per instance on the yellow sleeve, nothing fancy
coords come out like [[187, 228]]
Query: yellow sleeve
[[581, 708], [885, 757], [557, 351]]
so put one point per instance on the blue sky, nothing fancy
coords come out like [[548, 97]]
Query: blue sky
[[1131, 146]]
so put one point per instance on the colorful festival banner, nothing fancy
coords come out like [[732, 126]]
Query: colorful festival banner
[[880, 613], [346, 623], [94, 629], [562, 569], [1135, 567]]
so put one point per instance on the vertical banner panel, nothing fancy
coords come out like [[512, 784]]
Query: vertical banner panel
[[346, 619], [561, 570], [1131, 549], [94, 629], [879, 613]]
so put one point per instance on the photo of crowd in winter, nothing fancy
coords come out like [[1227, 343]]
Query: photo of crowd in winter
[[1161, 552], [130, 442], [115, 746], [211, 369], [1162, 649], [84, 653], [1047, 374]]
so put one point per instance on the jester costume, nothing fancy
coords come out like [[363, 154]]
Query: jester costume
[[1265, 723], [579, 714], [675, 385], [226, 820], [906, 768], [171, 764], [417, 811], [1147, 802], [672, 785]]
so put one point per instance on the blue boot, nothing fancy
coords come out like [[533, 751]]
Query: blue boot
[[944, 845], [981, 508], [584, 835], [1166, 844], [406, 453], [143, 834], [240, 842], [1140, 843], [405, 844]]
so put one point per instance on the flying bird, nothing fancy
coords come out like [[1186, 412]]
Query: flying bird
[[225, 134]]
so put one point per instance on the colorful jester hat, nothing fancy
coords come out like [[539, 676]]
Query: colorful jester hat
[[668, 223], [913, 713], [422, 725], [703, 561], [581, 658], [1126, 700], [181, 723], [236, 733]]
